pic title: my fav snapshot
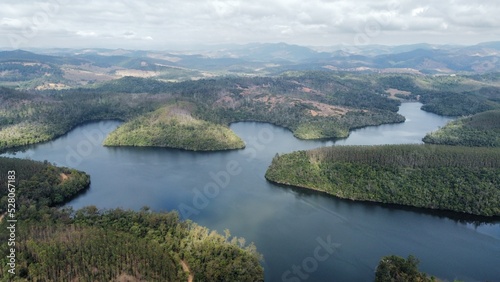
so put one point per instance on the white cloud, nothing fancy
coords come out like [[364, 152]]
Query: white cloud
[[126, 23], [417, 11], [10, 22]]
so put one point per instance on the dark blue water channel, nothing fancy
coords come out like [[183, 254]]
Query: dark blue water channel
[[303, 235]]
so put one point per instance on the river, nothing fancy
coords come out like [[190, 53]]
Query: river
[[303, 235]]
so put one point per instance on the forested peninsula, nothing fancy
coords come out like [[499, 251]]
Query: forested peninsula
[[174, 126], [190, 108], [479, 130], [460, 179], [312, 104], [39, 185], [54, 244]]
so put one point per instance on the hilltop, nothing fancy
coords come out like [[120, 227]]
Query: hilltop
[[68, 68]]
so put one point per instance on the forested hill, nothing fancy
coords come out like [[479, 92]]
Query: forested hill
[[106, 245], [174, 126], [480, 130], [312, 104], [459, 179], [118, 245], [38, 185], [31, 118], [447, 95]]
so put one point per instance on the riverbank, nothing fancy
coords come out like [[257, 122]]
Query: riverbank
[[459, 179], [249, 206]]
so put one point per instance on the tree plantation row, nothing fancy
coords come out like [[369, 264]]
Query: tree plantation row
[[118, 245], [460, 179], [479, 130], [93, 245]]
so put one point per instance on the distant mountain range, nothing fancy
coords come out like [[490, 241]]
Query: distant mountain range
[[71, 67]]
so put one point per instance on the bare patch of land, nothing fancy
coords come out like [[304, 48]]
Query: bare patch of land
[[392, 93], [136, 73], [127, 278], [185, 267]]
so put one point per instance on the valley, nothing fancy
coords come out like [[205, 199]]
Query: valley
[[174, 121]]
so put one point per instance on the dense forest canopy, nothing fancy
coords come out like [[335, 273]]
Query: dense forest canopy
[[459, 179], [31, 118], [93, 245], [312, 104], [479, 130], [174, 126], [194, 115], [106, 245], [40, 185], [397, 269]]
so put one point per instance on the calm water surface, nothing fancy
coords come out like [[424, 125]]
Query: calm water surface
[[290, 227]]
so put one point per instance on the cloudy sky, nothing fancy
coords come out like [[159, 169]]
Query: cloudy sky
[[168, 24]]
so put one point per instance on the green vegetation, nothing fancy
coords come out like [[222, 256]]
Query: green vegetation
[[41, 185], [456, 104], [77, 252], [31, 118], [448, 95], [113, 245], [93, 245], [397, 269], [173, 126], [480, 130], [24, 71], [312, 104], [459, 179]]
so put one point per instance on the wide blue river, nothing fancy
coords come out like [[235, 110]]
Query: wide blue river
[[303, 235]]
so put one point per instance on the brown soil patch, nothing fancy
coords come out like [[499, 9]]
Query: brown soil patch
[[254, 90], [64, 177], [322, 109], [273, 100], [136, 73], [392, 93], [325, 110], [85, 73], [50, 86], [185, 267], [127, 278]]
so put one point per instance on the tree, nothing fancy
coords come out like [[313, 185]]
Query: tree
[[397, 269]]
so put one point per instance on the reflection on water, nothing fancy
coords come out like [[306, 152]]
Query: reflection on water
[[228, 190]]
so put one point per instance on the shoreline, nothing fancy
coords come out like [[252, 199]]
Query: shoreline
[[448, 213]]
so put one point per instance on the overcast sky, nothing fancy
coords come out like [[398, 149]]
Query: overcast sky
[[167, 24]]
